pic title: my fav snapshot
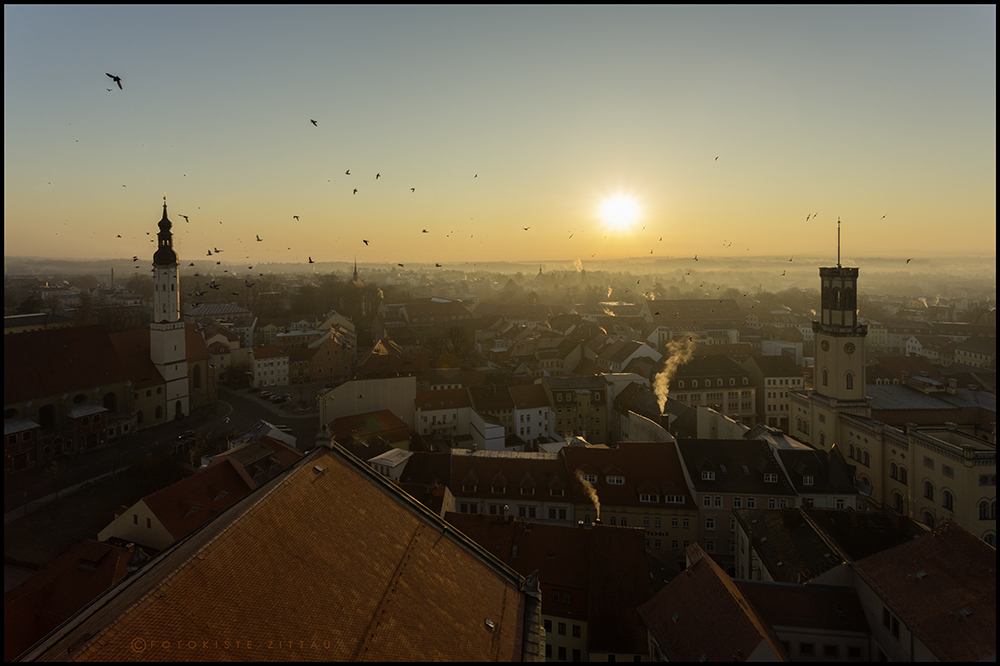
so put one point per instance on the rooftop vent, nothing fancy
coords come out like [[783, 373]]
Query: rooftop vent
[[318, 469], [921, 574], [490, 624], [677, 616]]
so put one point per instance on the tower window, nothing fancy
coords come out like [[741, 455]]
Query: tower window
[[825, 377], [849, 380]]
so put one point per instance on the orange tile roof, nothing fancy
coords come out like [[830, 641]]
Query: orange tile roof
[[186, 504], [959, 573], [326, 562], [40, 604], [59, 360]]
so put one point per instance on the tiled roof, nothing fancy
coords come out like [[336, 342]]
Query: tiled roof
[[886, 397], [788, 545], [491, 398], [270, 351], [397, 585], [643, 464], [745, 462], [133, 349], [85, 410], [186, 504], [44, 601], [59, 360], [777, 366], [712, 367], [701, 615], [428, 468], [506, 472], [529, 396], [13, 426], [914, 365], [823, 607], [930, 580]]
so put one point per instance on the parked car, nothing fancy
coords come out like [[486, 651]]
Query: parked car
[[255, 389]]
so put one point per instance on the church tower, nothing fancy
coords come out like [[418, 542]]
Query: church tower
[[166, 336], [839, 375]]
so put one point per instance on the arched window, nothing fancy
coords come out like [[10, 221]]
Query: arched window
[[902, 475], [928, 519], [984, 510], [893, 470], [865, 460], [159, 412], [850, 451], [928, 490], [897, 503], [680, 384], [822, 439], [849, 380], [694, 383], [990, 539], [948, 501], [825, 377]]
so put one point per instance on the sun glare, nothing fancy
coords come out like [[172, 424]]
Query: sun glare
[[619, 211]]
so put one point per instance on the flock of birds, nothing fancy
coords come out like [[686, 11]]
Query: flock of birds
[[118, 81]]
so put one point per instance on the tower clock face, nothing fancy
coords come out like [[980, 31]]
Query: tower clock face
[[849, 348], [825, 345]]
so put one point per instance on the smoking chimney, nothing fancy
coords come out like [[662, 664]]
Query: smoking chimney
[[678, 352], [591, 493]]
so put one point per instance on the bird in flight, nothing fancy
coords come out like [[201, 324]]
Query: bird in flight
[[789, 260], [210, 253], [258, 236], [116, 79], [377, 175], [437, 265], [190, 264], [907, 261], [365, 242], [185, 218], [526, 228], [696, 257], [311, 260], [348, 172], [313, 122], [295, 217], [413, 189], [401, 265], [716, 158], [355, 190]]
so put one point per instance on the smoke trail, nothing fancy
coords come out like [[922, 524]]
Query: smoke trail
[[678, 353], [578, 265], [609, 292], [591, 493]]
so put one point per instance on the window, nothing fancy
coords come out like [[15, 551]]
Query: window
[[709, 545], [468, 489], [590, 478], [840, 504], [808, 648], [708, 476], [657, 544], [807, 480], [895, 627], [928, 462], [897, 503], [928, 490], [576, 631], [706, 501], [645, 521], [772, 503], [562, 654], [770, 478], [849, 384], [710, 522], [902, 475], [751, 502], [893, 471], [948, 501], [687, 525], [527, 491], [948, 471], [548, 626], [825, 377], [135, 519], [616, 480], [576, 655], [718, 501], [737, 502], [854, 653], [649, 498], [556, 492], [561, 628], [831, 651]]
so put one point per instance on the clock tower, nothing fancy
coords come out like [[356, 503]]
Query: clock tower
[[839, 370]]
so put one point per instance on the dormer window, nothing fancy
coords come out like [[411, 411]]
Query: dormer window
[[527, 491], [498, 490], [708, 476], [590, 478], [649, 498], [192, 510], [770, 478], [557, 492], [807, 480], [616, 480], [694, 383], [680, 384], [221, 495], [468, 489]]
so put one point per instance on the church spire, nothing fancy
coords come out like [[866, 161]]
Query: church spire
[[165, 255]]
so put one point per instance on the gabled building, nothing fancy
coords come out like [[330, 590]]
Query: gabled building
[[703, 615], [531, 486], [773, 377], [580, 405], [444, 414], [636, 484], [717, 382], [160, 519], [359, 580]]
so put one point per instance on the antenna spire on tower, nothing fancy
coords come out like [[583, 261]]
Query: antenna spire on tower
[[838, 242]]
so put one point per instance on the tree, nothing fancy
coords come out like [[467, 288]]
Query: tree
[[30, 305], [460, 342]]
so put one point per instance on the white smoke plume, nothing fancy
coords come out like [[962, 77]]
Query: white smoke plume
[[609, 291], [578, 265], [591, 492], [678, 352]]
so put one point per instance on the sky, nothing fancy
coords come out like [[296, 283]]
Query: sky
[[503, 131]]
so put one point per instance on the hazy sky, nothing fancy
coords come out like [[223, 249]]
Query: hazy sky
[[500, 118]]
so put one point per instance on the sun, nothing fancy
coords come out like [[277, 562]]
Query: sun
[[619, 211]]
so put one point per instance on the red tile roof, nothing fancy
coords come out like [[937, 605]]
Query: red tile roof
[[490, 470], [444, 399], [529, 396], [701, 615], [59, 360], [133, 349], [377, 578], [644, 465], [40, 604], [186, 504], [928, 581]]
